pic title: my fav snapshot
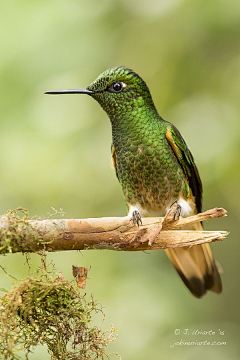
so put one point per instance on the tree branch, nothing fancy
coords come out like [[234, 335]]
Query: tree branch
[[113, 233]]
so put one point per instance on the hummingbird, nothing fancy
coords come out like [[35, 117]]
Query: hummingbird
[[154, 166]]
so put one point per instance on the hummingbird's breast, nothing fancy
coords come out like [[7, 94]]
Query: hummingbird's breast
[[147, 168]]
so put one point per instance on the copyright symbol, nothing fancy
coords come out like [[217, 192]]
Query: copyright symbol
[[177, 332]]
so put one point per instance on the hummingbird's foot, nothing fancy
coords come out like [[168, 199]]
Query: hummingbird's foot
[[178, 210], [136, 217]]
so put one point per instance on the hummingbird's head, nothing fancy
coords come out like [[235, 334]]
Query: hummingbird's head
[[118, 90]]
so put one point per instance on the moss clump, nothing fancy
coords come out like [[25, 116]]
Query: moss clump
[[13, 237], [47, 309], [17, 234]]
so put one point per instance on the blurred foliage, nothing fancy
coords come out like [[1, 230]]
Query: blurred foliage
[[55, 151]]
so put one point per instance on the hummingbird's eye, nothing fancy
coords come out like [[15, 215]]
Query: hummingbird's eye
[[116, 87]]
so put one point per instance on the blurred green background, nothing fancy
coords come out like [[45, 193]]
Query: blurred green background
[[55, 151]]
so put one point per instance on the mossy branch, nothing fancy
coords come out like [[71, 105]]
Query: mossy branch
[[113, 233]]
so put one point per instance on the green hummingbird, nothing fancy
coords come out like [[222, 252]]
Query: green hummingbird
[[154, 167]]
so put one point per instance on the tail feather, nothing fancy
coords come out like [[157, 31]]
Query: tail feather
[[196, 268]]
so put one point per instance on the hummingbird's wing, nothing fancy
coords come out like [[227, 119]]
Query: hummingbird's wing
[[196, 265], [187, 163]]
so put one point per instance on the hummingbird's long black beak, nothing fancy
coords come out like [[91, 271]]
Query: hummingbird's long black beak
[[70, 91]]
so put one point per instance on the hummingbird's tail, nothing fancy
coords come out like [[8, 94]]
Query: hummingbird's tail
[[196, 267]]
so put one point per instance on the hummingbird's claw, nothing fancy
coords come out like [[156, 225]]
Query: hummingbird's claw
[[175, 201], [178, 210], [136, 217]]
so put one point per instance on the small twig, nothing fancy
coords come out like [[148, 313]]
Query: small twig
[[7, 273]]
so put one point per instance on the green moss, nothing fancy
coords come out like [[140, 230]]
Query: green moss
[[17, 236], [12, 239], [49, 310]]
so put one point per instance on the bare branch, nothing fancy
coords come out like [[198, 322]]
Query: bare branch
[[113, 233]]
